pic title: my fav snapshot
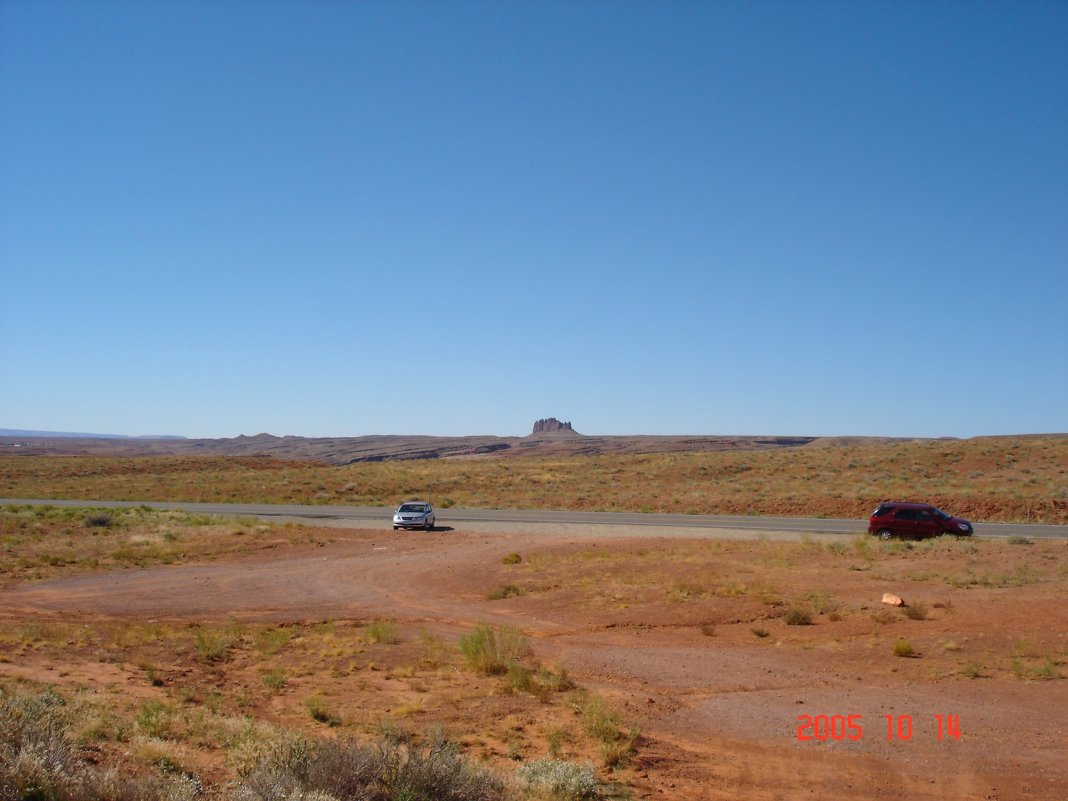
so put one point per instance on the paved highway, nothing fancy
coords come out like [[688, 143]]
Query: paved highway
[[552, 522]]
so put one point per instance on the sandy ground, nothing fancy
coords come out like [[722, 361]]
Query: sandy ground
[[717, 707]]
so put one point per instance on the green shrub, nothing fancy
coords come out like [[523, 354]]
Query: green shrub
[[511, 559]]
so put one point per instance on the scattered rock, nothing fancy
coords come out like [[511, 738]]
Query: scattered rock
[[892, 600]]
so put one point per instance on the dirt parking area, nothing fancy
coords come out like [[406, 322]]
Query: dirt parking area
[[744, 669]]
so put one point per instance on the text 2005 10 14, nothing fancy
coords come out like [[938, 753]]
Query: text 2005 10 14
[[851, 727]]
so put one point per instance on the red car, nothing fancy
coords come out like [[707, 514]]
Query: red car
[[915, 521]]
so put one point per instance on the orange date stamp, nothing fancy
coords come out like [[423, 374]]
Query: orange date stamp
[[819, 728]]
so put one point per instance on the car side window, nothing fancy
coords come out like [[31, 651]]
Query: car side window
[[905, 514]]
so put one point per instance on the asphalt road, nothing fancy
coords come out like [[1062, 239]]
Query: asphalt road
[[553, 522]]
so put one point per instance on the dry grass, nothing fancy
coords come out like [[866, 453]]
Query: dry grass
[[41, 542], [1020, 479]]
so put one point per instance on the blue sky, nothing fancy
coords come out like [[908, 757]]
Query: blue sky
[[347, 218]]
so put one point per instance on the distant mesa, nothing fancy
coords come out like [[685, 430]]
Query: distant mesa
[[550, 425]]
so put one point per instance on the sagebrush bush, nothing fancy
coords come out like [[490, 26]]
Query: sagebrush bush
[[344, 769], [559, 779]]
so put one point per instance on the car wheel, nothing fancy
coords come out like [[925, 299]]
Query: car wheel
[[396, 527], [886, 535], [429, 525]]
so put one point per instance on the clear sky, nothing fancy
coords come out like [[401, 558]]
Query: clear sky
[[347, 218]]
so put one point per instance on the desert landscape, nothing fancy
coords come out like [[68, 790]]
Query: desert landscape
[[1022, 479], [175, 655]]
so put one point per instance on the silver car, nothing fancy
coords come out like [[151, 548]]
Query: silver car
[[414, 514]]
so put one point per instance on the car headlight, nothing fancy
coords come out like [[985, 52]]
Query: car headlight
[[963, 526]]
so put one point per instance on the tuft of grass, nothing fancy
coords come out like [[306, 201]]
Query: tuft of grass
[[760, 632], [916, 611], [382, 631], [213, 646], [605, 725], [1047, 670], [972, 670], [555, 738], [797, 616], [271, 641], [540, 683], [903, 648], [1018, 539], [99, 520], [511, 559], [320, 712], [822, 602], [274, 679], [504, 591], [492, 652]]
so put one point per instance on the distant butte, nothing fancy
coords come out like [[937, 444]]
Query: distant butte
[[550, 425]]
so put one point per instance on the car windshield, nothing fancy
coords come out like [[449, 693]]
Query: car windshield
[[940, 514], [413, 507]]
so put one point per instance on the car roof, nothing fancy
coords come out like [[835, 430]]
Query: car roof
[[906, 504]]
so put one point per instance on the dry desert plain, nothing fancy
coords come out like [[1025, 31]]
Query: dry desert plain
[[170, 645]]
